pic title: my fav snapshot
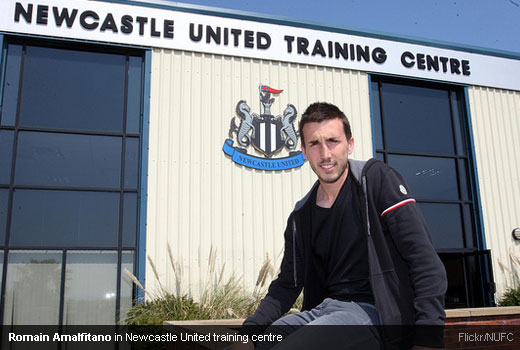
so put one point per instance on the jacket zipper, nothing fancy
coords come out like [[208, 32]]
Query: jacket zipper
[[365, 199], [294, 250]]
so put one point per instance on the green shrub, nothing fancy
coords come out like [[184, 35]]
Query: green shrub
[[227, 300], [510, 298], [218, 299], [298, 304], [168, 307]]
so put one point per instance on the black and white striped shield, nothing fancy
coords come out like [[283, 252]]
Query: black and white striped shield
[[267, 137]]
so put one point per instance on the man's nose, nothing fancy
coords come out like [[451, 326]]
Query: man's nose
[[325, 152]]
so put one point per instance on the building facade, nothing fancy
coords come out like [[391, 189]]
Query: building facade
[[143, 136]]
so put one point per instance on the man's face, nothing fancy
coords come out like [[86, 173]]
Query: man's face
[[327, 149]]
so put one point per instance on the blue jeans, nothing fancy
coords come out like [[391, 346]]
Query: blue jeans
[[334, 325]]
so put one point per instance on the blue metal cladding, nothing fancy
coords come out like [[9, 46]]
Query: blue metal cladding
[[143, 190]]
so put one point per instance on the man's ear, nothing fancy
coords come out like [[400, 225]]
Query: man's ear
[[350, 145]]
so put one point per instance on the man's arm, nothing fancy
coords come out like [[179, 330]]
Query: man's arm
[[285, 289], [405, 223]]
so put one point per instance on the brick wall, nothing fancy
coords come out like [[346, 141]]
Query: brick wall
[[483, 328]]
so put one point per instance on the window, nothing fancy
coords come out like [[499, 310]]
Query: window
[[69, 179], [420, 129]]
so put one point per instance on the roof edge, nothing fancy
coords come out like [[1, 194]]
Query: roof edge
[[281, 20]]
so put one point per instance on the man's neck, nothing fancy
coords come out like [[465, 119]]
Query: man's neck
[[328, 192]]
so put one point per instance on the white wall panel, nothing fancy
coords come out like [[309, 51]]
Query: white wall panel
[[198, 199], [496, 127]]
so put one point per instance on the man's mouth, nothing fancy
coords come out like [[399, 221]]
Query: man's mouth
[[327, 166]]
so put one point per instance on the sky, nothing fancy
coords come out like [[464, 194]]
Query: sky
[[488, 24]]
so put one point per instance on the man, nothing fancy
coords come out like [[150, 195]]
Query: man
[[358, 246]]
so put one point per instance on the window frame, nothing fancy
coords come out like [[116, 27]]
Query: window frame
[[460, 107], [138, 248]]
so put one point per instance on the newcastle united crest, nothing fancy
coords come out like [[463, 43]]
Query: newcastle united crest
[[266, 133]]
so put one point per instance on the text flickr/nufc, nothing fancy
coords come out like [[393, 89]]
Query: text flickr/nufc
[[486, 337]]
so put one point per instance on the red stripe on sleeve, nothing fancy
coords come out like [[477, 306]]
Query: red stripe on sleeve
[[397, 205]]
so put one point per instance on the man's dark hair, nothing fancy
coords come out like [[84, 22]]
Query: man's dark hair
[[320, 111]]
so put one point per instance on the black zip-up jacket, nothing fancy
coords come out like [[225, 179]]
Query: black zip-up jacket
[[407, 278]]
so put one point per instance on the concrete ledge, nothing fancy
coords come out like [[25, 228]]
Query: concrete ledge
[[226, 322], [483, 311], [452, 313]]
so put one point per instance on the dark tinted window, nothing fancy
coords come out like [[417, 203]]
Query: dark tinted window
[[469, 277], [4, 197], [420, 119], [131, 162], [458, 117], [464, 179], [376, 116], [134, 95], [11, 85], [445, 222], [68, 160], [469, 226], [71, 116], [456, 281], [50, 218], [6, 152], [89, 86], [420, 129], [130, 220], [416, 136], [428, 177]]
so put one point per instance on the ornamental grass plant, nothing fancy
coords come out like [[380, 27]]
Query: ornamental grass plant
[[512, 295], [219, 298], [510, 298]]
